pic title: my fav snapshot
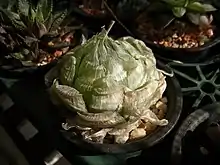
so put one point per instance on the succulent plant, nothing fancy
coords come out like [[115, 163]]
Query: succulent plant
[[110, 85], [195, 10], [30, 32]]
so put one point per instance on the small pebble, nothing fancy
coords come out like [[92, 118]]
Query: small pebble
[[175, 45], [50, 43], [138, 133], [164, 100], [210, 33], [162, 107], [149, 127], [175, 36], [155, 110], [142, 125], [187, 40]]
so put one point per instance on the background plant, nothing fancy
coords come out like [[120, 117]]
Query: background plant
[[195, 10], [27, 28]]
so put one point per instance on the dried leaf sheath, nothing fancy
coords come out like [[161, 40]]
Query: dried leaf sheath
[[70, 97]]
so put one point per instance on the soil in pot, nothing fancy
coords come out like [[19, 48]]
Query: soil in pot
[[91, 8], [180, 33]]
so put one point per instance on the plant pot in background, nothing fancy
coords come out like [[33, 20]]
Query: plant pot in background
[[185, 55], [160, 16], [93, 19], [196, 140]]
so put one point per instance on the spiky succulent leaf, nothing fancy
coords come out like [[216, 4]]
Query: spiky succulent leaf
[[23, 7], [7, 4], [31, 15], [39, 14], [58, 19], [13, 18], [42, 29], [46, 8], [2, 40], [29, 24]]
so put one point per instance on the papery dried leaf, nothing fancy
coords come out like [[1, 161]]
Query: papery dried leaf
[[97, 117], [71, 123], [70, 96], [67, 126], [122, 138], [100, 124], [149, 116], [125, 127], [138, 133], [98, 136]]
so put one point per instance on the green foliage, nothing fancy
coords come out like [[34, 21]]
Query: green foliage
[[24, 25], [194, 9]]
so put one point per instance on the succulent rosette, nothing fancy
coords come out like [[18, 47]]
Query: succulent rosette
[[110, 85]]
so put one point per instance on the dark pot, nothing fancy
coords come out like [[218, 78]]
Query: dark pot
[[185, 55], [174, 95], [23, 72], [11, 71], [94, 22], [198, 127], [216, 3]]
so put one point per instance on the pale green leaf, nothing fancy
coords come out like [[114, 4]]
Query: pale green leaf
[[209, 8], [39, 14], [46, 7], [67, 71], [23, 7], [179, 11], [58, 19], [194, 18], [199, 7], [14, 19]]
